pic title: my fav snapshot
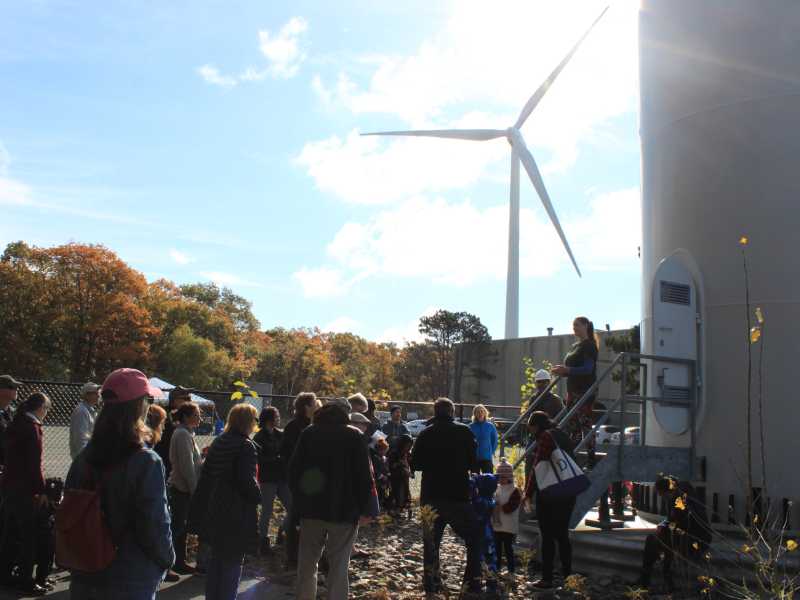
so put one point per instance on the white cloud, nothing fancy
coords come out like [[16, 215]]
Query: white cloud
[[405, 334], [321, 282], [341, 325], [458, 243], [491, 56], [229, 279], [282, 50], [5, 160], [212, 75], [366, 170], [14, 192], [179, 257]]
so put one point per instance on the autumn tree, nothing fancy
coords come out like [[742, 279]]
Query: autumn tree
[[92, 301], [443, 331]]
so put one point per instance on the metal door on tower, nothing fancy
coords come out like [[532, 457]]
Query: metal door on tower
[[675, 335]]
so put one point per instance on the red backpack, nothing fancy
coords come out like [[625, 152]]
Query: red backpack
[[83, 537]]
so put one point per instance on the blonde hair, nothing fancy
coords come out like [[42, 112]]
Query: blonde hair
[[241, 418], [479, 408]]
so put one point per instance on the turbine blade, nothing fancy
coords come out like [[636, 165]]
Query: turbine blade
[[476, 135], [539, 93], [536, 179]]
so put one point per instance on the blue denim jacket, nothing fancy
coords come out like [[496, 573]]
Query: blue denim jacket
[[135, 501]]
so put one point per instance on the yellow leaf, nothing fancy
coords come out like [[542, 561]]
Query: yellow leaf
[[747, 549], [743, 241], [239, 384], [679, 503], [755, 520], [755, 334], [254, 393], [672, 484], [791, 545], [237, 396], [759, 316], [696, 546]]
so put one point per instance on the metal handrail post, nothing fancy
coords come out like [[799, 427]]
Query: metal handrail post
[[692, 407], [623, 380]]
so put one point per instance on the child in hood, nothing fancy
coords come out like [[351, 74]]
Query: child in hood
[[483, 490], [399, 475], [506, 514], [380, 467]]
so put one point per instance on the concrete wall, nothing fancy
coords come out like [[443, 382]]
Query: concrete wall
[[502, 359]]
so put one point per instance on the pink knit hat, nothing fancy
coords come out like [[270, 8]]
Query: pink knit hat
[[505, 472]]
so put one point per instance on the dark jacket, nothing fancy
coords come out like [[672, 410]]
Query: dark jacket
[[135, 503], [224, 507], [162, 447], [271, 466], [5, 421], [330, 476], [291, 434], [24, 473], [445, 452], [393, 431]]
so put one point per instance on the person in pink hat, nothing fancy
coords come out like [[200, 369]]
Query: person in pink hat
[[133, 493]]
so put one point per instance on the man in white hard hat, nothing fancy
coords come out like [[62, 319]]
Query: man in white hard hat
[[81, 424], [550, 403]]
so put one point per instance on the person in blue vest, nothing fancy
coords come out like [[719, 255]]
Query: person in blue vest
[[486, 435]]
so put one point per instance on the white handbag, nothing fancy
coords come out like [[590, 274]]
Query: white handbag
[[560, 477]]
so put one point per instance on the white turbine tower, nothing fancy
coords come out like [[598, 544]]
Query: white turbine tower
[[519, 152]]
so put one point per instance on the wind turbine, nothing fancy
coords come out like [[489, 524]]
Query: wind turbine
[[519, 153]]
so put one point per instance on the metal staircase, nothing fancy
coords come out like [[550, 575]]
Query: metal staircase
[[623, 462]]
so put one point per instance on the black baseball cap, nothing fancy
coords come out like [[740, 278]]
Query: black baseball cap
[[179, 392]]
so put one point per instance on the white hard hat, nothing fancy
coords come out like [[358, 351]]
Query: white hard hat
[[542, 375]]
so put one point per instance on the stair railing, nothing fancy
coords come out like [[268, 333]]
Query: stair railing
[[625, 359], [567, 413], [522, 420]]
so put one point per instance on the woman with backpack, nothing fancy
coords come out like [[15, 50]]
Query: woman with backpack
[[224, 507], [553, 514], [129, 480], [24, 493]]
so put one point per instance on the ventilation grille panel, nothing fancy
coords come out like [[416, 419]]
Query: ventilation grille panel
[[676, 293]]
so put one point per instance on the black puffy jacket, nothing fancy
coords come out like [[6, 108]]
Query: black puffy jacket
[[330, 474], [445, 452], [224, 506]]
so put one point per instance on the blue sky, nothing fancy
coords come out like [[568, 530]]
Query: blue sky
[[219, 141]]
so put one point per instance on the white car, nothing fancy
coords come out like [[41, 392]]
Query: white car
[[631, 436], [415, 427], [605, 434]]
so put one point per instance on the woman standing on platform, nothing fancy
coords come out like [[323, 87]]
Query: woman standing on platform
[[580, 369]]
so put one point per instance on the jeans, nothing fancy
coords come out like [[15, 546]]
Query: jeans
[[292, 525], [554, 527], [19, 535], [462, 519], [179, 509], [269, 490], [337, 539], [504, 544], [222, 579]]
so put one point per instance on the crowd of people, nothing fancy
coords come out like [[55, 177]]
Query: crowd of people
[[333, 468]]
